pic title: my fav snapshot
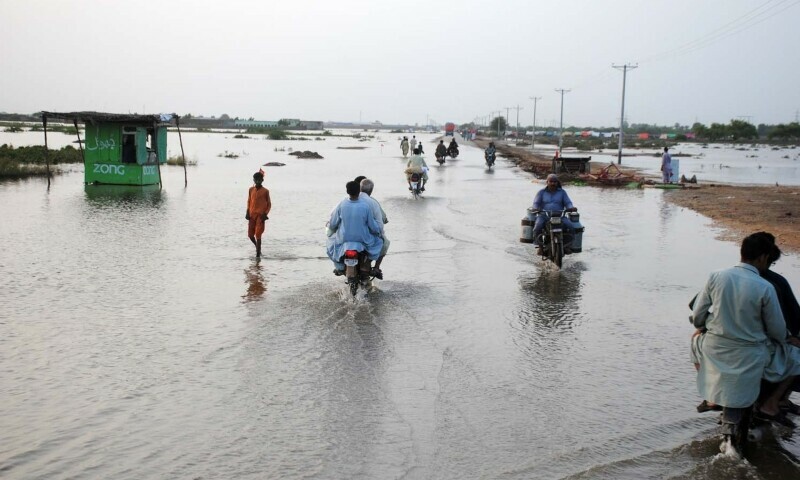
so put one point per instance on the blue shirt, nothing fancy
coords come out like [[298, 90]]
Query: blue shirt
[[552, 201]]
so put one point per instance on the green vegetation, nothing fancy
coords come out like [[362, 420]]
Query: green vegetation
[[13, 129], [785, 132], [30, 161], [178, 160]]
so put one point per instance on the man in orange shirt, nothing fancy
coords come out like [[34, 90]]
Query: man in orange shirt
[[258, 206]]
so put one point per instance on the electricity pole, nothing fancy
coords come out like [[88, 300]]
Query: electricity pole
[[622, 115], [533, 135], [505, 125], [518, 109], [561, 125]]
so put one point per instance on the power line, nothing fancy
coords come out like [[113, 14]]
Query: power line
[[741, 23]]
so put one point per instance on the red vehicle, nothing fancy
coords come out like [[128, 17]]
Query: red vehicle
[[449, 129]]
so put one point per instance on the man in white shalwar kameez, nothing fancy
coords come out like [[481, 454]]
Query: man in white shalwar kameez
[[743, 335]]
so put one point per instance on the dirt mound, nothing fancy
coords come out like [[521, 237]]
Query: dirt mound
[[306, 154]]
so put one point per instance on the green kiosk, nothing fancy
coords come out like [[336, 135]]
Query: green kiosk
[[120, 149]]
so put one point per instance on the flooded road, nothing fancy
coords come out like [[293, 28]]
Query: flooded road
[[141, 338]]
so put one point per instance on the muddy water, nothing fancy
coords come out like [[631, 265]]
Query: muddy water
[[141, 338]]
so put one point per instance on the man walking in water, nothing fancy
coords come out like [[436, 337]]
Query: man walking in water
[[666, 166], [258, 206]]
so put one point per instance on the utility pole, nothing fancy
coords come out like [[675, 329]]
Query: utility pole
[[561, 125], [499, 112], [622, 115], [505, 125], [518, 109], [533, 135]]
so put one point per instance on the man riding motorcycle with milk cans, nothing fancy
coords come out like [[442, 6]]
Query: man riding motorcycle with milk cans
[[552, 198]]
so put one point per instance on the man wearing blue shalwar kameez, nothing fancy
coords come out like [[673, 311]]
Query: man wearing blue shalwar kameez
[[741, 335], [353, 227]]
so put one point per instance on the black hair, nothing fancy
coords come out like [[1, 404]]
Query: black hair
[[359, 178], [353, 189], [416, 151], [258, 175], [757, 244]]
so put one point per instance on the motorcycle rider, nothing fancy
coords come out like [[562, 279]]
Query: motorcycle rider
[[741, 336], [490, 152], [352, 226], [441, 150], [552, 198], [416, 164], [452, 148]]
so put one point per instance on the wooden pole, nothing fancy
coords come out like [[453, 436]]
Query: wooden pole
[[80, 143], [178, 124], [158, 163], [46, 154]]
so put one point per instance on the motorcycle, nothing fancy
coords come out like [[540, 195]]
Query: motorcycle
[[416, 185], [357, 268], [452, 152], [555, 241], [489, 159]]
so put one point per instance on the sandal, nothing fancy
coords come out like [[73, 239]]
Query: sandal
[[779, 418], [790, 407], [708, 407]]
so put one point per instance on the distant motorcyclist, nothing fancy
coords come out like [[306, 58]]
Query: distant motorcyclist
[[441, 150], [490, 152], [552, 198], [416, 164], [452, 149]]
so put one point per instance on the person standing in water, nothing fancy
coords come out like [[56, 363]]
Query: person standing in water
[[258, 206], [666, 166]]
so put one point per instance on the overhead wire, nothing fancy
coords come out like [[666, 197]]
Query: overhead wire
[[748, 20]]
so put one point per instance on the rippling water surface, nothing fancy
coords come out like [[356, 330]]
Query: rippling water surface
[[141, 338]]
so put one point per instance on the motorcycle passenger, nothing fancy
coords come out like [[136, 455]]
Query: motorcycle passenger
[[741, 336], [441, 150], [416, 164], [452, 148], [367, 186], [552, 198], [352, 226]]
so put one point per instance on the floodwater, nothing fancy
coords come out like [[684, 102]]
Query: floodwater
[[714, 163], [141, 338]]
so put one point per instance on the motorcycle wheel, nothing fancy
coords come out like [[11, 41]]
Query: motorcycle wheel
[[558, 250], [353, 286]]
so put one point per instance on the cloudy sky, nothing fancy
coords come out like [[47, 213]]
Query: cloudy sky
[[406, 61]]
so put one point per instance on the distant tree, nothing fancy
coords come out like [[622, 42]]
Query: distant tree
[[498, 124], [224, 116], [717, 131], [700, 130], [785, 132], [741, 130], [283, 122]]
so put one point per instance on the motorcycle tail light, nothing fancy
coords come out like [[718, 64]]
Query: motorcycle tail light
[[350, 254]]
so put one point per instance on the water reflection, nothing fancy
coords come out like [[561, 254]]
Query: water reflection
[[116, 195], [551, 297], [256, 284]]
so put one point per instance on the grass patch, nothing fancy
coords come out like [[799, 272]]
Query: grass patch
[[178, 160]]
